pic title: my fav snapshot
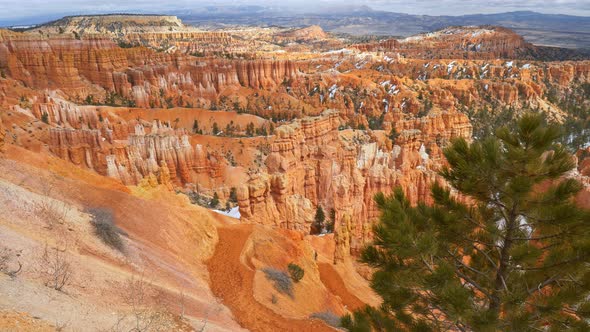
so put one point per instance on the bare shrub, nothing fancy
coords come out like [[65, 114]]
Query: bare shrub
[[212, 309], [61, 326], [105, 229], [55, 268], [51, 210], [7, 255], [147, 313], [281, 280], [328, 317]]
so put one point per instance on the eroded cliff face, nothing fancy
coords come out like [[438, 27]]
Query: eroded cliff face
[[95, 66], [312, 164], [151, 151]]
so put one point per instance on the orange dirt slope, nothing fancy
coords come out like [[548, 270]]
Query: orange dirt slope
[[232, 281], [332, 280]]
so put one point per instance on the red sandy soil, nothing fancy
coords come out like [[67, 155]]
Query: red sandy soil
[[232, 281], [17, 321], [332, 280]]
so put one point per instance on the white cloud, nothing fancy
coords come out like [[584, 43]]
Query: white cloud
[[11, 10]]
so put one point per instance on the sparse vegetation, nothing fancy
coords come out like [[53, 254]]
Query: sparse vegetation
[[147, 312], [196, 129], [214, 201], [53, 212], [124, 44], [393, 134], [105, 228], [318, 224], [198, 199], [7, 256], [233, 195], [332, 222], [55, 267], [281, 280], [45, 117], [328, 317], [296, 272]]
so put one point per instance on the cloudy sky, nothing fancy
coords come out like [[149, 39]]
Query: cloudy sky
[[27, 11]]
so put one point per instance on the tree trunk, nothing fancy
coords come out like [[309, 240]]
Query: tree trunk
[[495, 303]]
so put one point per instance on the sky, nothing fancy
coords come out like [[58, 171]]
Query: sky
[[30, 11]]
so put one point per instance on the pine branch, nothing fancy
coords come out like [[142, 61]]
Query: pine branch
[[472, 282], [543, 284], [457, 261]]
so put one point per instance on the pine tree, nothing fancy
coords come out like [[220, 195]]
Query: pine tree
[[196, 126], [250, 129], [214, 201], [318, 223], [233, 195], [45, 117], [515, 258], [393, 134]]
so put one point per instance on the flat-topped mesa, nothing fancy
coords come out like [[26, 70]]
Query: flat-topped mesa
[[110, 24], [159, 32], [309, 34], [459, 43]]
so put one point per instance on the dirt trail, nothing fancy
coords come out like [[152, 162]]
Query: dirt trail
[[331, 279], [232, 281]]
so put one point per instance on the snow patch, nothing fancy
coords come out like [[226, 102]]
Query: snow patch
[[233, 213]]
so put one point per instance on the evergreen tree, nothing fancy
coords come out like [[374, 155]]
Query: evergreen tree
[[330, 225], [214, 201], [196, 126], [215, 129], [296, 272], [514, 259], [233, 195], [393, 134], [250, 129], [318, 223]]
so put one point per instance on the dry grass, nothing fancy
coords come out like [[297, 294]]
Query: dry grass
[[103, 221], [328, 317], [281, 280]]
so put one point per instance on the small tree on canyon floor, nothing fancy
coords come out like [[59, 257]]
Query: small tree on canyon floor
[[296, 272], [318, 222], [214, 201], [515, 258]]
